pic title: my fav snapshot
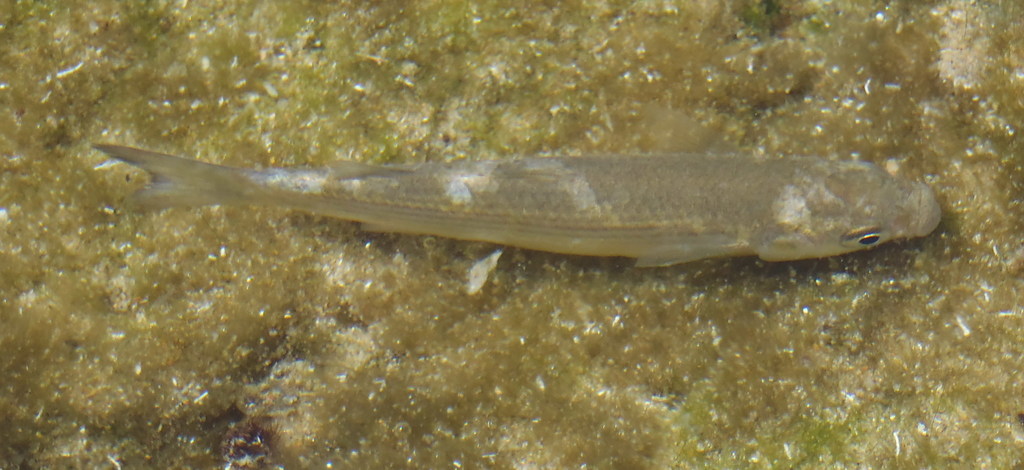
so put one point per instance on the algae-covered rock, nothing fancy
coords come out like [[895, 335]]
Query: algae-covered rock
[[259, 337]]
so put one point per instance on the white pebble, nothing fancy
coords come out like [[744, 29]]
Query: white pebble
[[480, 271]]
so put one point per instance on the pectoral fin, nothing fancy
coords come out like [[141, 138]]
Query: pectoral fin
[[693, 249]]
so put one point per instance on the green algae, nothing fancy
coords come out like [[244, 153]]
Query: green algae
[[138, 339]]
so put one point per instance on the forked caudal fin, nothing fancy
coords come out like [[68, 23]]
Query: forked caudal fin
[[180, 181]]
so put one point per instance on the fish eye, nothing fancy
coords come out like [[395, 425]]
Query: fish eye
[[863, 237]]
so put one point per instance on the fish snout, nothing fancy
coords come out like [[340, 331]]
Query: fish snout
[[925, 211]]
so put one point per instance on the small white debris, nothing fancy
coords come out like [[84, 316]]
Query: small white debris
[[114, 460], [70, 70], [270, 89], [966, 330], [201, 397], [480, 271], [107, 164], [5, 218]]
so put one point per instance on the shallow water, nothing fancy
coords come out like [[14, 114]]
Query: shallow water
[[140, 339]]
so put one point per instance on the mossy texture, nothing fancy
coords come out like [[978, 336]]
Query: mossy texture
[[140, 339]]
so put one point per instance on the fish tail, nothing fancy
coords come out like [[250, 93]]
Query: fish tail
[[182, 182]]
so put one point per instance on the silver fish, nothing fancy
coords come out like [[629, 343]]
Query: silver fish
[[661, 210]]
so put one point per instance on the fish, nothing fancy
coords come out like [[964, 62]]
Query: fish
[[659, 209]]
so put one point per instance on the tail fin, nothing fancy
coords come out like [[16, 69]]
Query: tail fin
[[178, 182]]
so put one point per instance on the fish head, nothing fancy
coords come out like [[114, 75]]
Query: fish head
[[835, 208]]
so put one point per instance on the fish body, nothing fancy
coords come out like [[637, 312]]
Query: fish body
[[659, 209]]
